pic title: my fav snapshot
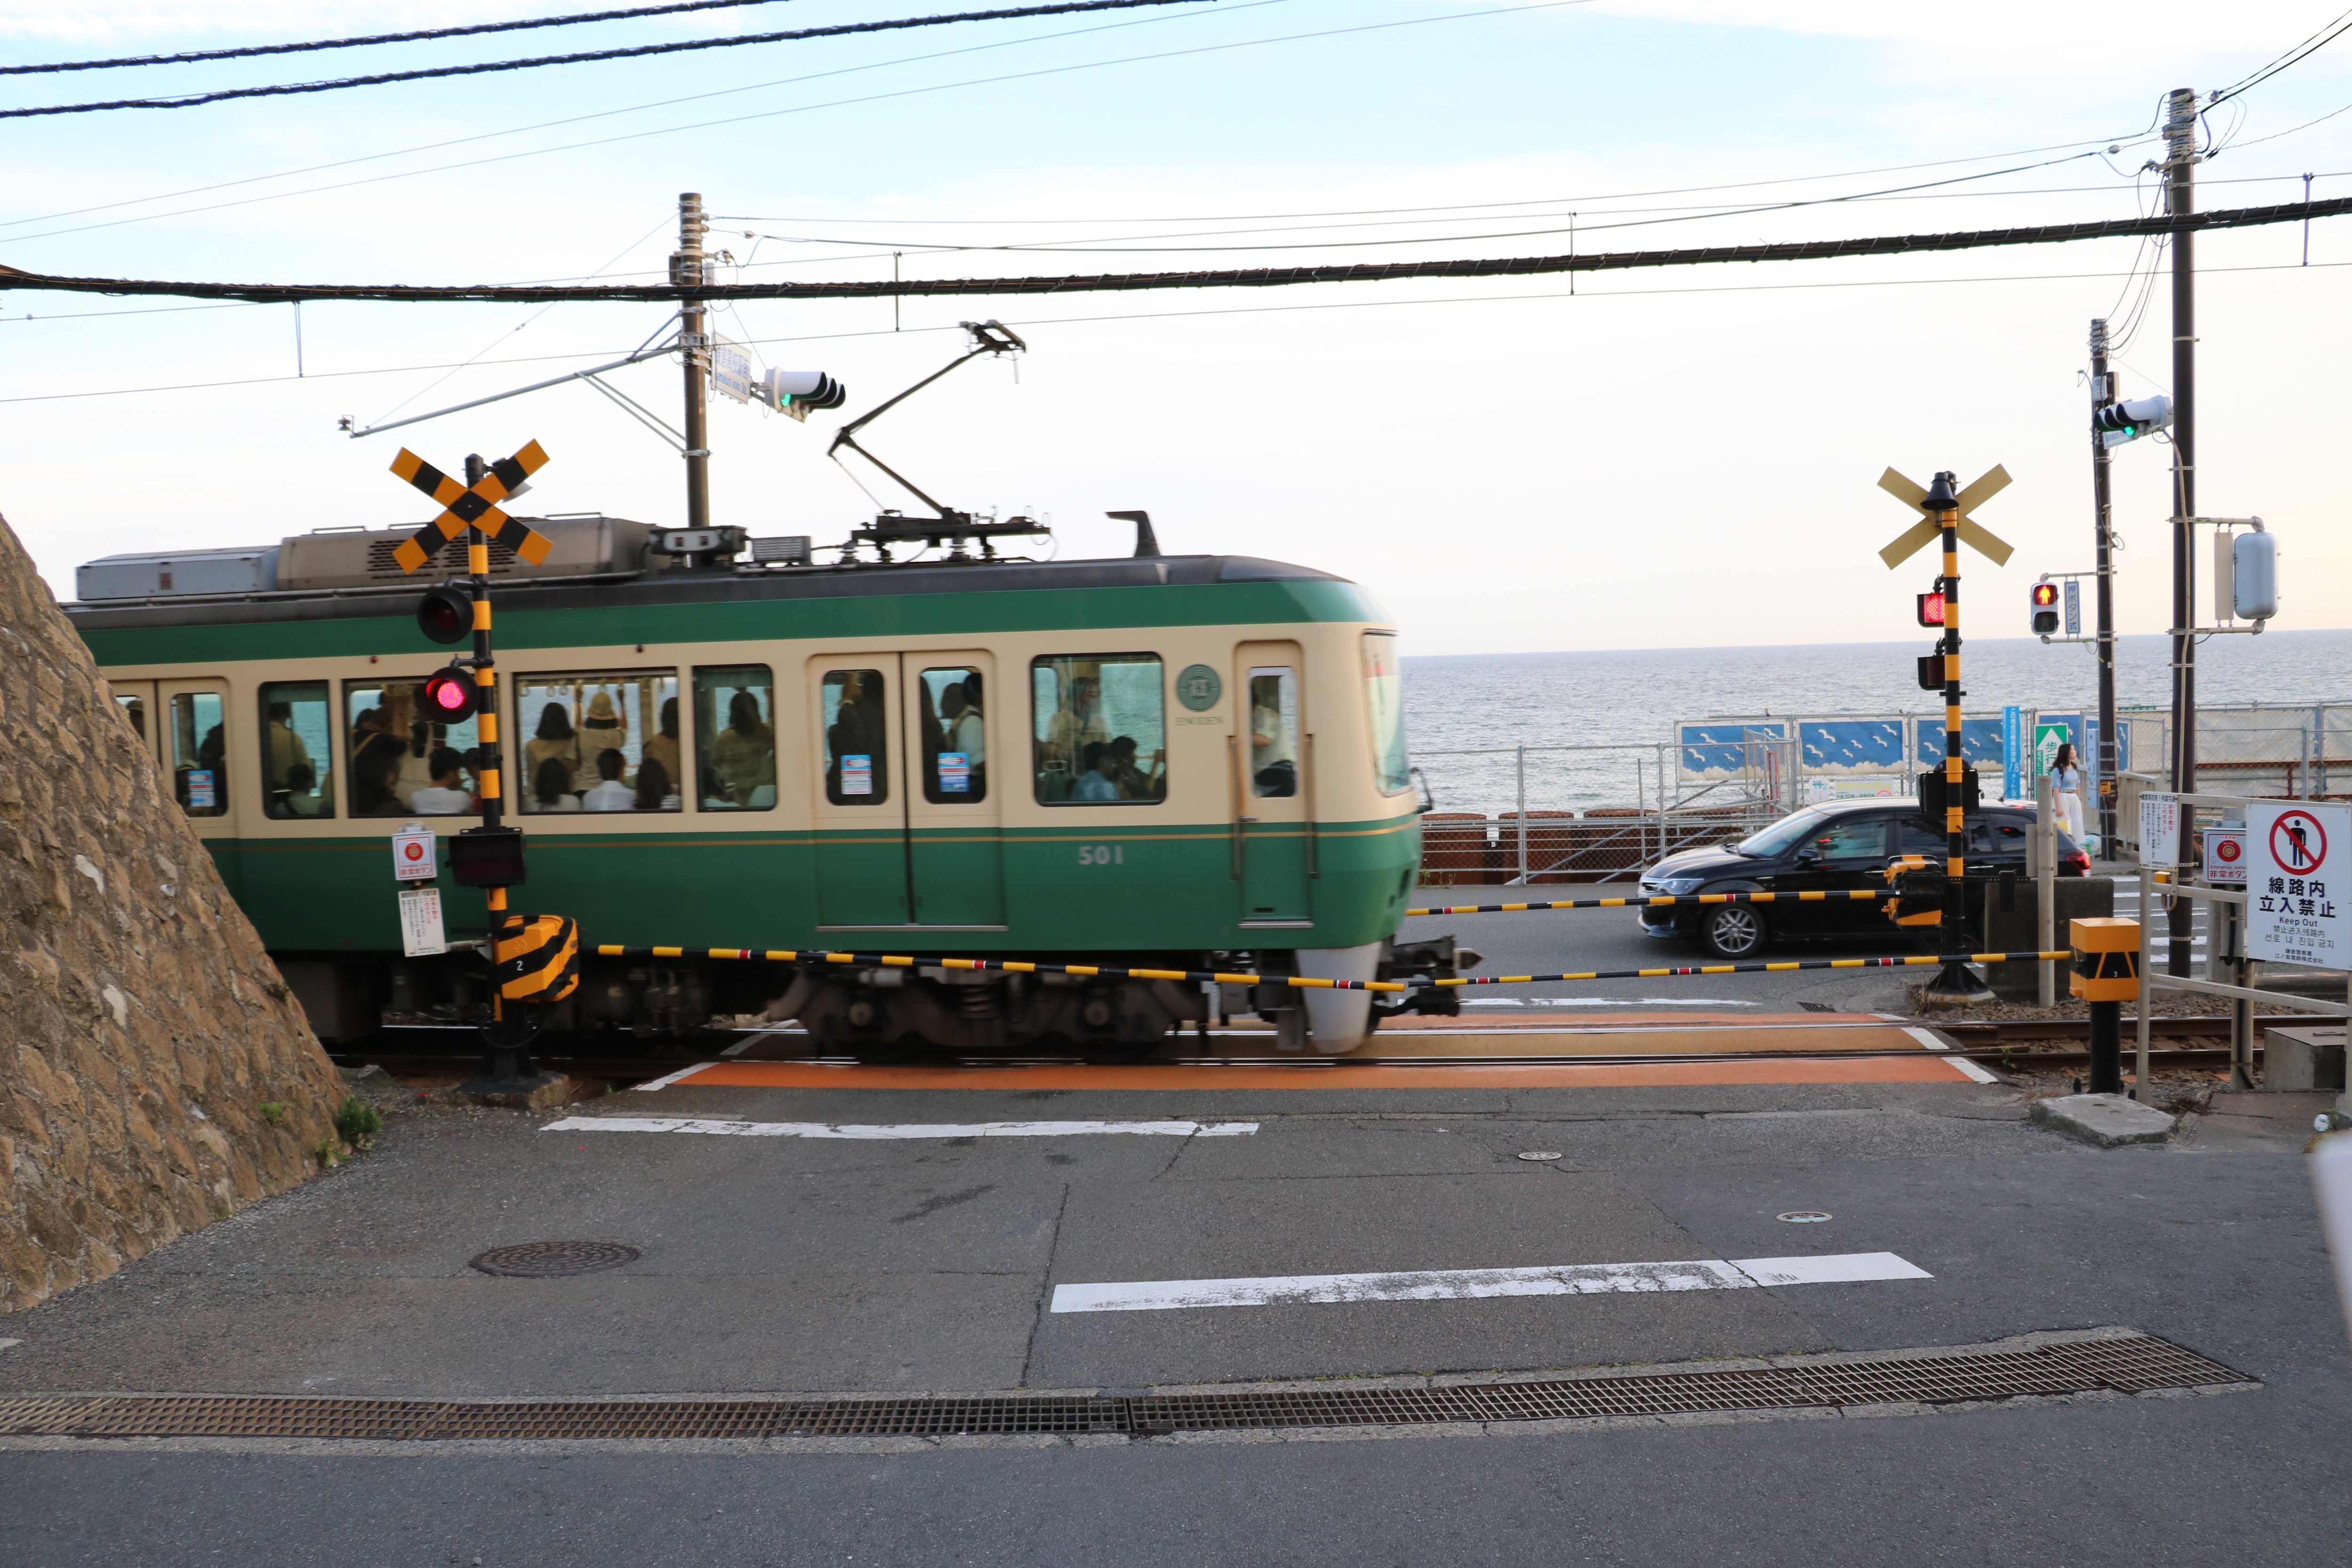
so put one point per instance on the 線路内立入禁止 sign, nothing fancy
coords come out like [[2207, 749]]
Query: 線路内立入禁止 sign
[[2297, 854]]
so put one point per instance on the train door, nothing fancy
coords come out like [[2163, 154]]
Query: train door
[[135, 701], [1271, 759], [858, 798], [954, 812], [191, 724]]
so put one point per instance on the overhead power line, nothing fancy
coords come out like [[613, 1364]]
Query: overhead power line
[[194, 99], [1249, 277], [250, 50], [2295, 56]]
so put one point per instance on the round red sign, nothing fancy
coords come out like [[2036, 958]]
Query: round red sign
[[2227, 850], [2298, 844], [413, 850]]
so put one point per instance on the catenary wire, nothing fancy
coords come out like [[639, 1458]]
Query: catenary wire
[[2295, 56], [581, 120], [282, 89], [1025, 323], [2219, 219], [248, 51]]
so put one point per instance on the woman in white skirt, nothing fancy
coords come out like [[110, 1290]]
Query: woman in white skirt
[[2066, 784]]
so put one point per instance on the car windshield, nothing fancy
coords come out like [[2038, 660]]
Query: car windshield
[[1781, 836]]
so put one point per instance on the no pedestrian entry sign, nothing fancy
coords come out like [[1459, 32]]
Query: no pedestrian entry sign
[[2297, 857]]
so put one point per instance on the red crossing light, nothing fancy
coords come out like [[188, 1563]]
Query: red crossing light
[[449, 695], [1931, 608]]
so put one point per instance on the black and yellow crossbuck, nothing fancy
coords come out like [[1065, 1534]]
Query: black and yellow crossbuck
[[475, 506]]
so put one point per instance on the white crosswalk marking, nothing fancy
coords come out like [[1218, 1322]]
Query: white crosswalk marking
[[1460, 1284], [940, 1129]]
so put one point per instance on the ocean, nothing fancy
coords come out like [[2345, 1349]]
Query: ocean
[[1458, 703]]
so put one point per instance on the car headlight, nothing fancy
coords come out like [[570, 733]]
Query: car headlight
[[1679, 887]]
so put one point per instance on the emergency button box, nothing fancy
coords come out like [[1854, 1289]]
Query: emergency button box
[[2106, 959]]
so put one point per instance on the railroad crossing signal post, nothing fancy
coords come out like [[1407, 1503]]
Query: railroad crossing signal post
[[534, 961], [1944, 509]]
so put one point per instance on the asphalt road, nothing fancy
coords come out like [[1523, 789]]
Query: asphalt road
[[793, 1264]]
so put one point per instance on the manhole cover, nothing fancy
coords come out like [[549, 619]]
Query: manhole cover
[[546, 1259], [1802, 1216], [1540, 1154]]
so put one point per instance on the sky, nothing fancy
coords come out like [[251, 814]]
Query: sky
[[1659, 459]]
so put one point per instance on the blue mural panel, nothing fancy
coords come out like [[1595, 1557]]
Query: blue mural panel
[[1980, 742], [1722, 748], [1852, 745]]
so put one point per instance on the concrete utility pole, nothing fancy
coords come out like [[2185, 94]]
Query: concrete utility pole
[[2179, 162], [687, 272], [2102, 392]]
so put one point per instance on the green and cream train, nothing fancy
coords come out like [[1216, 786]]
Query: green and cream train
[[1188, 762]]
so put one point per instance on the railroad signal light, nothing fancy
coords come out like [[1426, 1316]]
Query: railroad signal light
[[2043, 617], [1931, 671], [795, 391], [2120, 421], [447, 615], [1931, 608], [449, 695]]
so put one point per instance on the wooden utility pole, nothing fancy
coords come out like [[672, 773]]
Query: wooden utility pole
[[687, 272], [2103, 391], [2179, 162]]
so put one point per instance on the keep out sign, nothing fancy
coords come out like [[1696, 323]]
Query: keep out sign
[[2297, 857]]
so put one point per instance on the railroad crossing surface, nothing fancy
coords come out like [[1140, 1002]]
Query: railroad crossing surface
[[771, 1245]]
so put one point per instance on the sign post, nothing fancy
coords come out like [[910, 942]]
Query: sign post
[[2298, 855], [414, 867], [2012, 745]]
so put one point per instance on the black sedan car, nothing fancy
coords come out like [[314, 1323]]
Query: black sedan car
[[1828, 848]]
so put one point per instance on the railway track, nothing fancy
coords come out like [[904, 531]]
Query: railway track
[[2021, 1043]]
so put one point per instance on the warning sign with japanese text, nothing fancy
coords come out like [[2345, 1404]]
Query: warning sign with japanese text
[[2297, 855]]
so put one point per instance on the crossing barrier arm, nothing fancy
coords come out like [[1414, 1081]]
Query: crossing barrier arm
[[1296, 982], [1661, 899]]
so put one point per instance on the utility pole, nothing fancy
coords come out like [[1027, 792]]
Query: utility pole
[[687, 266], [2179, 161], [2102, 392]]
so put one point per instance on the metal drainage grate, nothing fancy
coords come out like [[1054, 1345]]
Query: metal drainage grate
[[550, 1259], [2133, 1363]]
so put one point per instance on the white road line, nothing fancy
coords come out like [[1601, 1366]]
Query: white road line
[[1462, 1284], [947, 1129], [682, 1072], [5, 1344], [1934, 1042]]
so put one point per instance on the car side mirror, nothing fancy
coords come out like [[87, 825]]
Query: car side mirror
[[1809, 854]]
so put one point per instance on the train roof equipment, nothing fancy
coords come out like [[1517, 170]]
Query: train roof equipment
[[946, 525]]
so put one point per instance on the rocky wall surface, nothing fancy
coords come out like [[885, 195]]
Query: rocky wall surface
[[155, 1072]]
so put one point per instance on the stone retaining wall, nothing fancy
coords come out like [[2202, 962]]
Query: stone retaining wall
[[142, 1028]]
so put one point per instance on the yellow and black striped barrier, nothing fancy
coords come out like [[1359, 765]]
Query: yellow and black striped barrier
[[1660, 900], [1298, 982]]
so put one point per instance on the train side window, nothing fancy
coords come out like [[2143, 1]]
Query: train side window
[[1384, 708], [856, 738], [134, 709], [298, 720], [599, 739], [955, 739], [1101, 736], [199, 754], [399, 761], [1274, 732], [735, 737]]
